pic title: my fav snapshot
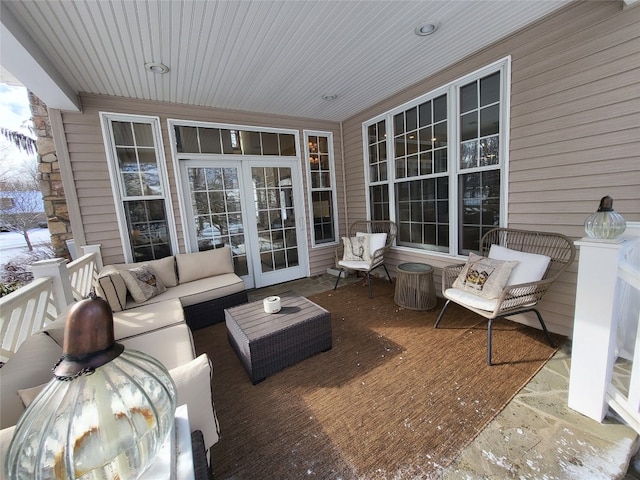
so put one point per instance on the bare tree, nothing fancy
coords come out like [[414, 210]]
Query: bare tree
[[21, 207]]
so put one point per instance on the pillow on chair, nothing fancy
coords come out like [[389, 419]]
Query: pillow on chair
[[376, 241], [356, 249], [530, 268], [485, 277]]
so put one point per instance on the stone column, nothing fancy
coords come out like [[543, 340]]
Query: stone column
[[55, 205]]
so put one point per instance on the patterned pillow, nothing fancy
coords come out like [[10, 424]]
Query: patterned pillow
[[485, 277], [356, 249], [142, 283]]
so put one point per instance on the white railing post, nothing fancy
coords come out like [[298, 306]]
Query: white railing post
[[94, 248], [56, 268], [593, 351]]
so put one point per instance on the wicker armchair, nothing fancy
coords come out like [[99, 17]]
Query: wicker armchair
[[377, 255], [520, 298]]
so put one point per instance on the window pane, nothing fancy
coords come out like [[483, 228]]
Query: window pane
[[469, 97], [270, 144], [440, 135], [489, 151], [411, 119], [490, 120], [469, 126], [122, 134], [490, 89], [469, 154], [480, 203], [287, 144], [398, 124], [440, 160], [440, 108], [425, 114], [144, 135], [210, 140], [187, 139], [250, 142], [147, 224], [412, 143]]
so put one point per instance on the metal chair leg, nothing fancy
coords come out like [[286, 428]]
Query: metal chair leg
[[369, 284], [338, 279], [489, 342], [441, 313], [544, 327], [387, 271]]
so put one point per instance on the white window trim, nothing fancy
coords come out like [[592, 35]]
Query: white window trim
[[453, 132], [332, 173], [112, 162]]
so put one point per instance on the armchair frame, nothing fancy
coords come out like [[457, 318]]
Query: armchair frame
[[368, 226], [522, 298]]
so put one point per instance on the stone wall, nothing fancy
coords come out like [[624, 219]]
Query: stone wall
[[55, 204]]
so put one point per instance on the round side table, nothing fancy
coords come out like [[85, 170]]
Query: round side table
[[414, 287]]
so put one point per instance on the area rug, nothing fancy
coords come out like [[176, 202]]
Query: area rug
[[393, 399]]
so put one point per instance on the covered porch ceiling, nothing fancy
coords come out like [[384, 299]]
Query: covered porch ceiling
[[272, 56]]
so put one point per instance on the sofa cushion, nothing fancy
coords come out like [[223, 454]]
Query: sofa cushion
[[194, 266], [142, 282], [172, 345], [193, 382], [165, 268], [485, 277], [30, 366], [110, 286]]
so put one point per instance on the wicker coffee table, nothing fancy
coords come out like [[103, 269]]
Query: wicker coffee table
[[266, 343]]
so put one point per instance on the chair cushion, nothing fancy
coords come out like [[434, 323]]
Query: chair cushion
[[355, 265], [485, 277], [530, 268], [142, 282], [376, 240], [356, 249], [470, 299]]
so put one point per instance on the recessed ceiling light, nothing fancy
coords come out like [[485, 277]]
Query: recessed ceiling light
[[155, 67], [329, 96], [425, 29]]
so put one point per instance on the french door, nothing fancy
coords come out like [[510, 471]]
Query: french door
[[253, 205]]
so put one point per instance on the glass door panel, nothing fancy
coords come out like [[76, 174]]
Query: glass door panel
[[217, 212], [275, 218]]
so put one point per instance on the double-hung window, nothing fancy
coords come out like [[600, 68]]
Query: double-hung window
[[321, 186], [437, 165], [138, 178]]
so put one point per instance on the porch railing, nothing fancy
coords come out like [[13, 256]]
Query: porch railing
[[605, 358], [55, 287], [24, 312]]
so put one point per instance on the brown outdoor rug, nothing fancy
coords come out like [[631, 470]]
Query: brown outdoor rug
[[393, 399]]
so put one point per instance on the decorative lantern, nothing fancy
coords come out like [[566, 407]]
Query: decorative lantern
[[606, 223], [104, 415]]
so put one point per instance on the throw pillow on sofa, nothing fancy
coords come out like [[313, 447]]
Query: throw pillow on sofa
[[142, 283], [111, 287]]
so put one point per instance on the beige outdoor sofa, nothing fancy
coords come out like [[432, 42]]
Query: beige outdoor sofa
[[200, 287]]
